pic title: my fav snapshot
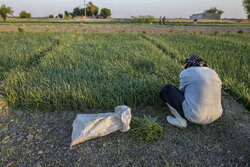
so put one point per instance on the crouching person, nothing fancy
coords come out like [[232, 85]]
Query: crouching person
[[199, 97]]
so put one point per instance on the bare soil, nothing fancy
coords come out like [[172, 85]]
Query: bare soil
[[160, 29], [42, 138]]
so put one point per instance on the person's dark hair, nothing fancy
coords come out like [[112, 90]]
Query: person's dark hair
[[195, 60]]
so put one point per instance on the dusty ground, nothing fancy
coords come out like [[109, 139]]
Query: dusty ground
[[123, 28], [43, 138]]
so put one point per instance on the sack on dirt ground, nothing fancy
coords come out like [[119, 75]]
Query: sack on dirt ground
[[89, 126]]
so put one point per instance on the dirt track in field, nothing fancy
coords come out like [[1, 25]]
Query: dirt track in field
[[124, 28]]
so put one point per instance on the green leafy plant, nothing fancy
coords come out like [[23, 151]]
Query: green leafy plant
[[121, 32], [216, 33], [20, 30], [240, 32], [146, 129]]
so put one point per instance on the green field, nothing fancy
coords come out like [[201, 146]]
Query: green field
[[77, 71]]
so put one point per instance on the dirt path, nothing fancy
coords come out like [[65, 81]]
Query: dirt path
[[43, 138], [123, 29]]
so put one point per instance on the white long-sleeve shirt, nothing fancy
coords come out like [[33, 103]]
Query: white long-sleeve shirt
[[202, 90]]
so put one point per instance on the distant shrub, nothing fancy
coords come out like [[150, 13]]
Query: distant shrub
[[68, 17], [228, 32], [240, 32], [194, 33], [144, 32], [143, 19], [60, 15], [20, 30], [201, 33], [24, 14], [51, 16], [105, 13], [84, 30], [121, 32], [171, 31], [216, 33]]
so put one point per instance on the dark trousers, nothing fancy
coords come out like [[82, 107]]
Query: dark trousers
[[174, 97]]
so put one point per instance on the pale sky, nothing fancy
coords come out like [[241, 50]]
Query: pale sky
[[128, 8]]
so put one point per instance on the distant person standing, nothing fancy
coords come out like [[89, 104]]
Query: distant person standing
[[160, 20], [164, 19], [195, 21]]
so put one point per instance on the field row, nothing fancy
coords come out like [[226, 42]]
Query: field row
[[79, 71]]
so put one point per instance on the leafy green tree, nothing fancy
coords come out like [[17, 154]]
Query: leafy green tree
[[105, 12], [246, 4], [214, 10], [92, 9], [51, 16], [66, 13], [78, 12], [24, 14], [4, 11], [60, 15], [220, 12]]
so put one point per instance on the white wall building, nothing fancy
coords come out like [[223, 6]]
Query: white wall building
[[205, 16]]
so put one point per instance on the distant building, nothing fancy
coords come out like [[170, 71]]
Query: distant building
[[205, 16]]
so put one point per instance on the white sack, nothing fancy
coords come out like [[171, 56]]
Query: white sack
[[89, 126]]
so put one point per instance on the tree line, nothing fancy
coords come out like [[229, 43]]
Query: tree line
[[91, 10]]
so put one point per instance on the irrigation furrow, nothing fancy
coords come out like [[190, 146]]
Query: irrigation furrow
[[167, 50], [59, 42], [42, 54]]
